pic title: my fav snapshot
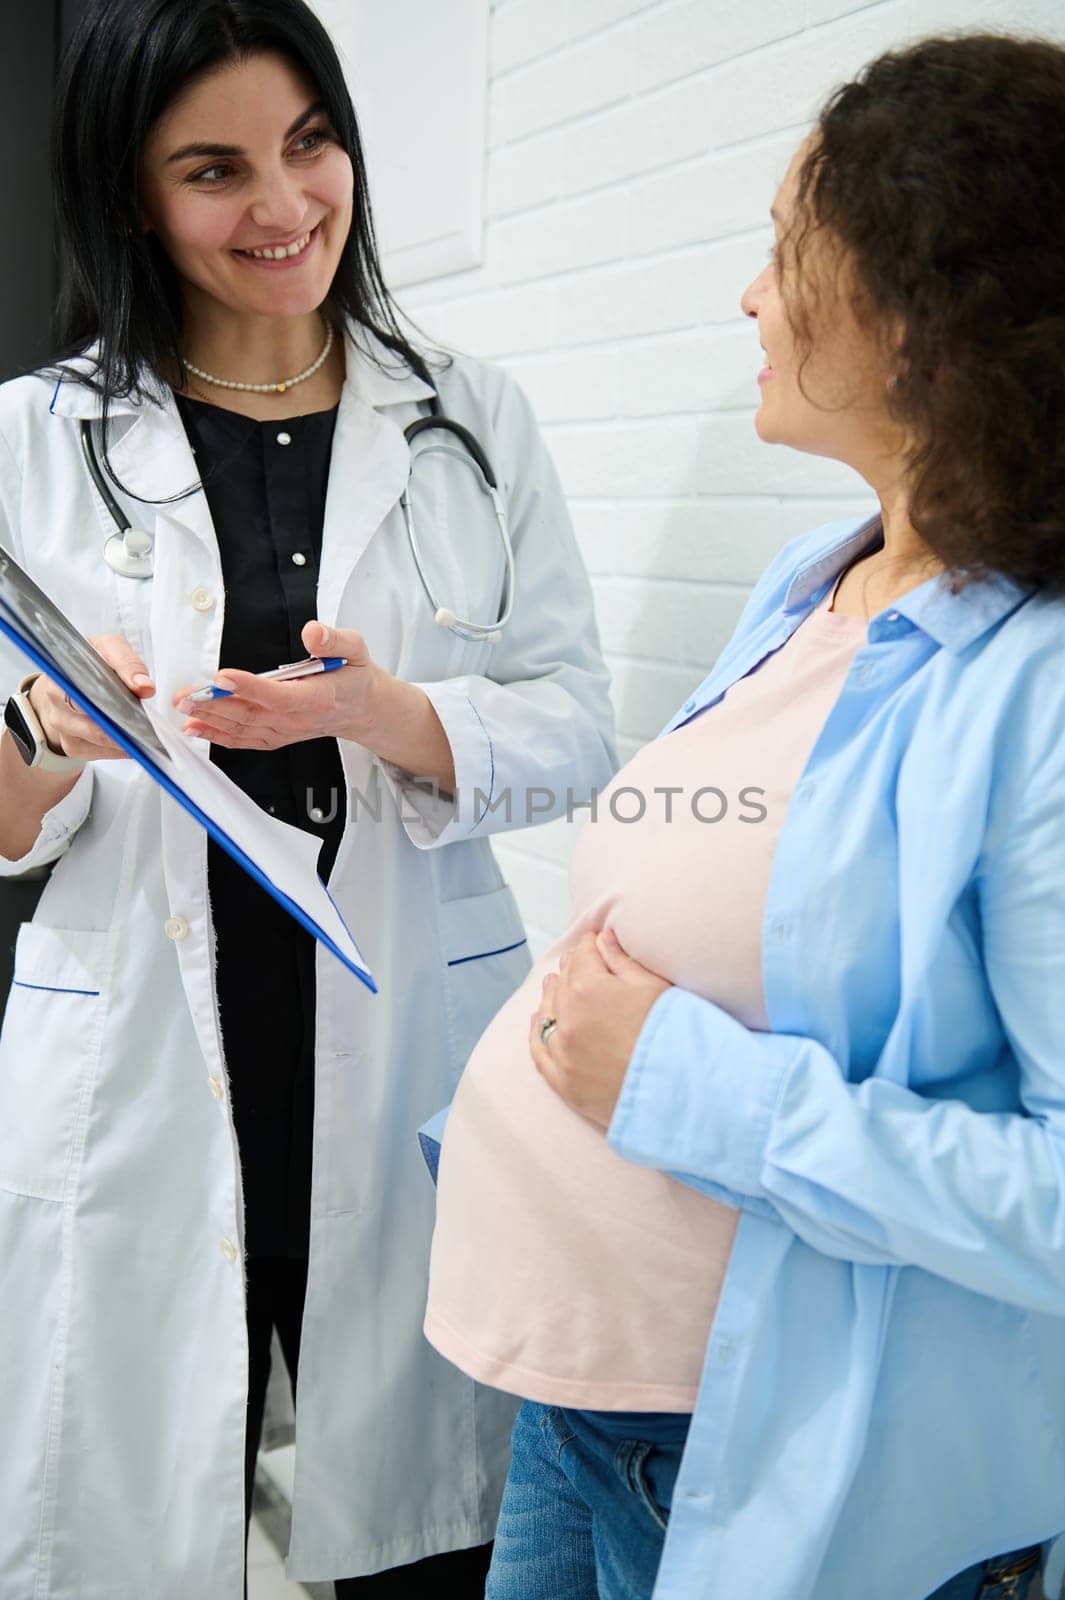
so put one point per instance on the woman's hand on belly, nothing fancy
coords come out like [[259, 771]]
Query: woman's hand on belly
[[599, 1001]]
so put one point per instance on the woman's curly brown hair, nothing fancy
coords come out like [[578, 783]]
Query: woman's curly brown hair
[[941, 171]]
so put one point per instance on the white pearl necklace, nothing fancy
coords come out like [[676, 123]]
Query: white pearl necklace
[[269, 388]]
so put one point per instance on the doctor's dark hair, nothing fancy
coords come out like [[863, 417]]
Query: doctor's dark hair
[[126, 64], [940, 171]]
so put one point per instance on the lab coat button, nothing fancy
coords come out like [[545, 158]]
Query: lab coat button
[[229, 1250], [202, 600], [176, 928], [215, 1086]]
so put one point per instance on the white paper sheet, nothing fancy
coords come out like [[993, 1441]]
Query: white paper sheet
[[281, 857]]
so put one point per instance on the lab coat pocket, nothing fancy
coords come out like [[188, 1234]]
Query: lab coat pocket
[[48, 1047], [486, 957]]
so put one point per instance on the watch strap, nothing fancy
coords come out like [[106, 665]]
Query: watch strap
[[44, 757]]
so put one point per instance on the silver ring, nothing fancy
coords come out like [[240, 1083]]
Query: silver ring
[[547, 1028]]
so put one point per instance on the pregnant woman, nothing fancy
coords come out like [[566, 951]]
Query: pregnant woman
[[763, 1212]]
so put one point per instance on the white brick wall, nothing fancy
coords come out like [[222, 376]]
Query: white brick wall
[[633, 150]]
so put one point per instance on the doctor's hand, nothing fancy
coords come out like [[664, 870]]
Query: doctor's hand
[[361, 702], [264, 714], [599, 1000], [71, 732]]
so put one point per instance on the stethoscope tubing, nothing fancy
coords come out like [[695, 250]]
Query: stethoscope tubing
[[438, 420], [474, 457], [129, 551], [88, 450]]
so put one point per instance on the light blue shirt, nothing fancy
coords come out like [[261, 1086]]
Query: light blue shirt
[[883, 1398]]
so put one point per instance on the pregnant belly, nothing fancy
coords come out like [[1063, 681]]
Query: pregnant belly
[[561, 1272]]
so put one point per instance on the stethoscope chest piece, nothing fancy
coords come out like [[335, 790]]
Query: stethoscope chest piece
[[130, 553], [129, 550]]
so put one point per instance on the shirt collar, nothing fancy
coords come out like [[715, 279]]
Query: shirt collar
[[73, 395], [378, 377], [843, 543], [954, 621]]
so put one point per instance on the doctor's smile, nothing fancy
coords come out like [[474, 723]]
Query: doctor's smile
[[284, 253]]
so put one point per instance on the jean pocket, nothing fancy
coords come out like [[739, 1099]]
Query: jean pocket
[[554, 1425], [650, 1472]]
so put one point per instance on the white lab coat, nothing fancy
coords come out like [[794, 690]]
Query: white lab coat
[[123, 1359]]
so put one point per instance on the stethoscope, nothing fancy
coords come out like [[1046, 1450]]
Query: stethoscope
[[477, 462], [128, 551]]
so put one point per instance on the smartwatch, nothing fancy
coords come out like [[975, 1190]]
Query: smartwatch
[[24, 726]]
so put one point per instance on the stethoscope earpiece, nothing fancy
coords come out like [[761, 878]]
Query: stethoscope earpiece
[[472, 632]]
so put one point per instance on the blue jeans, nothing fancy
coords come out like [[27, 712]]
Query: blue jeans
[[584, 1517], [584, 1513]]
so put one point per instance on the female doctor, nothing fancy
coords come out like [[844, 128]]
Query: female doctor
[[206, 1125]]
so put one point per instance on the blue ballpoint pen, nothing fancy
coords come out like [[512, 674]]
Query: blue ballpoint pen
[[294, 669]]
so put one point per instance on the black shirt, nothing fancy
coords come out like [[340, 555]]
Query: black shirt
[[266, 485]]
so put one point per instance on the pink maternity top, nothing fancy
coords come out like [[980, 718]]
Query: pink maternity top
[[559, 1271]]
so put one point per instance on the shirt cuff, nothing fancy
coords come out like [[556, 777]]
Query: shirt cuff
[[699, 1095], [58, 826], [429, 817]]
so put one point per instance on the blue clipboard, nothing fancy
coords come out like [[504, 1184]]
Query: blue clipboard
[[51, 620]]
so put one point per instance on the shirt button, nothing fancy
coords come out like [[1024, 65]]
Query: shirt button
[[229, 1249], [298, 558], [176, 928], [723, 1351], [284, 438], [316, 814], [865, 673], [202, 600], [893, 616], [215, 1086]]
